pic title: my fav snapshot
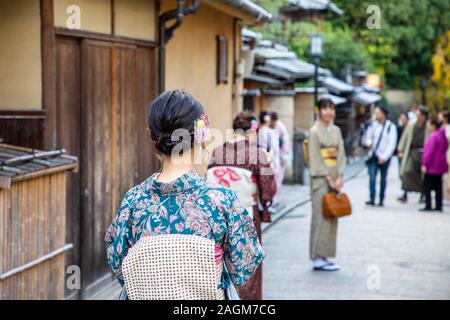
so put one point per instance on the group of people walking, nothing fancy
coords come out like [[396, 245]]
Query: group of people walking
[[420, 143], [226, 206], [185, 235]]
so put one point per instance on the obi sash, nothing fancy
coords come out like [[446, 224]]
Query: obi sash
[[329, 156], [174, 267], [240, 180]]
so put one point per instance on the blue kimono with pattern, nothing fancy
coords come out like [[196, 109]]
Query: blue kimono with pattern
[[188, 205]]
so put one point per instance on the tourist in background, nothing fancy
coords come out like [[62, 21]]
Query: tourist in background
[[401, 125], [285, 154], [268, 140], [444, 119], [381, 143], [410, 149], [434, 164]]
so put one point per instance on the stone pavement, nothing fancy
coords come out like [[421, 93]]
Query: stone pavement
[[291, 197], [393, 252]]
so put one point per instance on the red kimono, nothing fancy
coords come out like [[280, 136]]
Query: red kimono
[[244, 168]]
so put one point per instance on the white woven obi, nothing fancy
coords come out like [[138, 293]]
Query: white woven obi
[[173, 267]]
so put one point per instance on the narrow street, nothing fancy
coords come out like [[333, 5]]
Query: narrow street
[[395, 252]]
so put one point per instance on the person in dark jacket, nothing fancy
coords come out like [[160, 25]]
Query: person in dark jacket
[[434, 163]]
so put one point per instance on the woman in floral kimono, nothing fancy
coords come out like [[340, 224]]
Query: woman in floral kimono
[[243, 166], [327, 164], [178, 200]]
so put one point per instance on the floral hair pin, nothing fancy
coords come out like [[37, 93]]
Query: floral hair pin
[[201, 129], [254, 125]]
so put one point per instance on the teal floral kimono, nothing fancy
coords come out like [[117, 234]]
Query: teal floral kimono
[[183, 206]]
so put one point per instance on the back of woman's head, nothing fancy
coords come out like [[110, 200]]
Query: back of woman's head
[[245, 120], [173, 110], [434, 121], [264, 117]]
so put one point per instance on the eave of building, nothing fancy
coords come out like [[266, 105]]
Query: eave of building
[[310, 90], [274, 72], [279, 92], [365, 98], [244, 10], [263, 79], [336, 86], [337, 100], [309, 6]]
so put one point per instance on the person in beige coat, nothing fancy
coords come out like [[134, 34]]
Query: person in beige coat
[[327, 164], [410, 149]]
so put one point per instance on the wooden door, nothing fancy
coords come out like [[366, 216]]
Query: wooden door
[[96, 158], [116, 84], [67, 84]]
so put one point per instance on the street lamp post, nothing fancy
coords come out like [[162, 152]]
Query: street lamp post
[[423, 86], [316, 53]]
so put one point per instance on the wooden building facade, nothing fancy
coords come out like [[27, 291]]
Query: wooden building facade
[[32, 222], [80, 75]]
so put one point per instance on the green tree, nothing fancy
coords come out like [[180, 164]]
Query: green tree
[[440, 97], [404, 45], [341, 48]]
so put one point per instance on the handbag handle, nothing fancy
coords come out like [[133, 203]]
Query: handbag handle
[[339, 193]]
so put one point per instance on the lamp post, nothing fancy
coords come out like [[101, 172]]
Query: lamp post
[[316, 53], [423, 86]]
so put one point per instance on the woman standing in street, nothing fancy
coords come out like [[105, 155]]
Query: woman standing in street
[[243, 166], [178, 201], [327, 164]]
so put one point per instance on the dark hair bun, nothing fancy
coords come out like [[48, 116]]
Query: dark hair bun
[[170, 111], [243, 121], [435, 122], [262, 116]]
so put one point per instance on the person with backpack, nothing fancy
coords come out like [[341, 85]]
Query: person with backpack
[[381, 143]]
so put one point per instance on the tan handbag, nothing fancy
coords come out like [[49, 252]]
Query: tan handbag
[[336, 205]]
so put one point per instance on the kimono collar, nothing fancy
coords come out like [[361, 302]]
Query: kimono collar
[[240, 143], [186, 182], [327, 127]]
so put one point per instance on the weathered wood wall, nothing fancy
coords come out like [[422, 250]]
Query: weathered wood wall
[[192, 53], [104, 89], [24, 128], [32, 223]]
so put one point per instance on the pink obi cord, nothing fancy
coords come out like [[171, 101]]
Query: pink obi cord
[[218, 254]]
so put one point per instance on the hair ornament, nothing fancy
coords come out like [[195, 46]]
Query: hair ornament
[[201, 129], [254, 125]]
